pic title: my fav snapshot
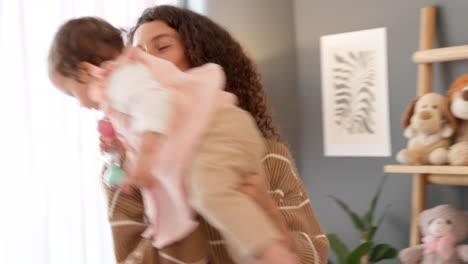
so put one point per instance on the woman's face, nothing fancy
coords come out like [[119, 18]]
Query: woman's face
[[160, 40]]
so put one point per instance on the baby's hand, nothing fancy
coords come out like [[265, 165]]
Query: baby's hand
[[141, 175], [108, 141]]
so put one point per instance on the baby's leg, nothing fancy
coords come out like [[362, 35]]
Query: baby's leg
[[193, 248], [233, 147]]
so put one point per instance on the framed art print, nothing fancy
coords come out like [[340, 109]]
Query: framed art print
[[355, 94]]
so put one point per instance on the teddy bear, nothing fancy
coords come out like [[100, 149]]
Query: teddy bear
[[443, 227], [458, 93], [429, 126]]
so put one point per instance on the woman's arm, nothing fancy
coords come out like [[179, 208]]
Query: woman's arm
[[290, 202], [126, 218], [255, 187]]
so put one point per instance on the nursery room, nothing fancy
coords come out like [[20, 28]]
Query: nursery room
[[337, 131]]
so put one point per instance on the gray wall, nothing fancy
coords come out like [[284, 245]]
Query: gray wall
[[265, 28], [354, 179]]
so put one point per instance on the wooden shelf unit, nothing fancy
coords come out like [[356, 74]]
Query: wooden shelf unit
[[427, 169], [424, 175], [442, 175], [441, 54]]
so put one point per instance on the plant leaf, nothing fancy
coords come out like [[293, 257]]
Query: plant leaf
[[371, 233], [379, 222], [358, 223], [330, 262], [340, 249], [382, 251], [374, 229], [355, 256], [369, 216]]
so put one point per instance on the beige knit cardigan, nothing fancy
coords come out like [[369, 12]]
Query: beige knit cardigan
[[126, 216]]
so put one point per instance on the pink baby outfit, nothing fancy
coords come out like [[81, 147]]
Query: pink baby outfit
[[209, 145], [196, 96]]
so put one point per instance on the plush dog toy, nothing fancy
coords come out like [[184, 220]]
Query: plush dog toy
[[427, 130], [443, 227], [458, 93]]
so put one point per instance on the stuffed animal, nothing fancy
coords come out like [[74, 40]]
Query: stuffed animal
[[443, 227], [458, 93], [427, 130]]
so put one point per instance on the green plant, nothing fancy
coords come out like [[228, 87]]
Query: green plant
[[367, 251]]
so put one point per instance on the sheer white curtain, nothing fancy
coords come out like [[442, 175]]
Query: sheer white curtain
[[52, 206]]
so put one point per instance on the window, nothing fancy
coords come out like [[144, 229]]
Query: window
[[53, 208]]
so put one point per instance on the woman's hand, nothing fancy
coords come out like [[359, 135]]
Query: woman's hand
[[255, 186]]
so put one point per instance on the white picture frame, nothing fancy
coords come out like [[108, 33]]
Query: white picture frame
[[355, 105]]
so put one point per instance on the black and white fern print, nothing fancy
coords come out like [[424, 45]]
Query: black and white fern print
[[354, 76]]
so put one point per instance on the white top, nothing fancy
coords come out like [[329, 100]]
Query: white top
[[132, 90]]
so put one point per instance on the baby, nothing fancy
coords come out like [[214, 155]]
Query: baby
[[192, 145]]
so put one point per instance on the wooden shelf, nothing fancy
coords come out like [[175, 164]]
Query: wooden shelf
[[424, 175], [427, 169], [441, 54], [442, 175]]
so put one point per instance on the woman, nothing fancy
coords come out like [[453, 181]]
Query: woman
[[188, 40]]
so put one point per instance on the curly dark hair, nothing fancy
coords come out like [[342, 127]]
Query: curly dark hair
[[205, 41]]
